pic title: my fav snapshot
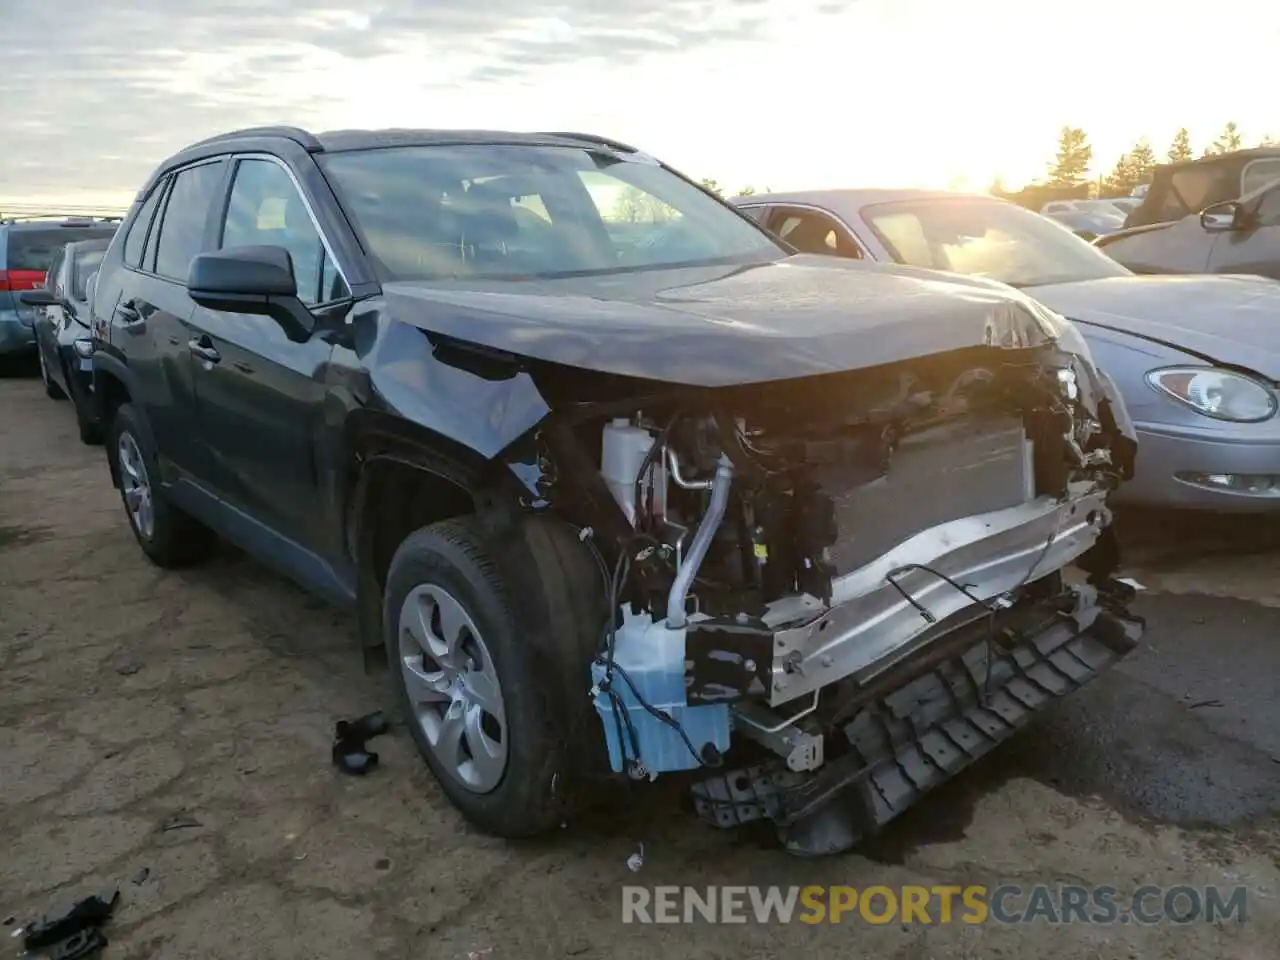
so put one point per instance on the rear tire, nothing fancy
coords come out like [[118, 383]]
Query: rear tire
[[51, 389], [496, 721], [169, 537], [91, 433]]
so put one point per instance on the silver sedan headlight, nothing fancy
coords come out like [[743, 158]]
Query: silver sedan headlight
[[1214, 392]]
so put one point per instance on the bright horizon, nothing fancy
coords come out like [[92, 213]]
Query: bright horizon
[[787, 94]]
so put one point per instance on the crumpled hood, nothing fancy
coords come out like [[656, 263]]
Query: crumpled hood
[[1228, 319], [719, 326]]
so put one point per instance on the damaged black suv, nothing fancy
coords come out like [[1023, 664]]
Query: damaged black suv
[[617, 481]]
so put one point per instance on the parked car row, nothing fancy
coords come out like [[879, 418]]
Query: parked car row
[[28, 247], [1219, 214], [621, 483], [1087, 219]]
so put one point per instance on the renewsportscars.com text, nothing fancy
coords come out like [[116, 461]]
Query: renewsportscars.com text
[[1004, 904]]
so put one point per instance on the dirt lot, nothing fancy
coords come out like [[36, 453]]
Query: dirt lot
[[169, 733]]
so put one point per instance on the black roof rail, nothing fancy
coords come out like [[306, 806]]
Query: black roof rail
[[299, 136], [592, 138], [76, 219]]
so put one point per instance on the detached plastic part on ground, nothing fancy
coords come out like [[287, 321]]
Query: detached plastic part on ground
[[350, 739], [74, 932]]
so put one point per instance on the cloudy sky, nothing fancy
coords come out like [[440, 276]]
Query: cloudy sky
[[778, 93]]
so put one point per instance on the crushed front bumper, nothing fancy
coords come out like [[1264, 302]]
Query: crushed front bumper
[[890, 607], [934, 713]]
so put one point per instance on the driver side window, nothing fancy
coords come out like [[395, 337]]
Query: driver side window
[[265, 209], [812, 232]]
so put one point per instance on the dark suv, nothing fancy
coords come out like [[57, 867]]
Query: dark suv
[[27, 248], [620, 483], [62, 329]]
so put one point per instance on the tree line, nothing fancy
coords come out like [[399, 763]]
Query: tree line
[[715, 188], [1071, 166]]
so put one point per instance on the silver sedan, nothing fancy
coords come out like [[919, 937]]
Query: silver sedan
[[1197, 358]]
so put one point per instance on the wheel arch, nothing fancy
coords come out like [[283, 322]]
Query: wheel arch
[[115, 385], [399, 476]]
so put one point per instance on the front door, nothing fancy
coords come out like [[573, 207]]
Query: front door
[[260, 395], [1255, 250]]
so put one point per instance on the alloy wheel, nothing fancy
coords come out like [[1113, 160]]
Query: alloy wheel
[[453, 689], [136, 486]]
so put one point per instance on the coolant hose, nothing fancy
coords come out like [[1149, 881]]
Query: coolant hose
[[701, 544]]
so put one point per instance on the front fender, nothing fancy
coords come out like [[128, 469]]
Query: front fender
[[484, 409]]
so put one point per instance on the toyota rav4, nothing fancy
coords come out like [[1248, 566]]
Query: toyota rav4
[[620, 483]]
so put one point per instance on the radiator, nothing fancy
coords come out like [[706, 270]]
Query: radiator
[[946, 472]]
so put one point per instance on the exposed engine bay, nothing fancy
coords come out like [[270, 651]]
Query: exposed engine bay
[[806, 567]]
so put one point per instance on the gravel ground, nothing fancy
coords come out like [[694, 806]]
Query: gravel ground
[[169, 733]]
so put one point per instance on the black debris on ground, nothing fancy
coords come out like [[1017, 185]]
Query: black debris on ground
[[350, 737]]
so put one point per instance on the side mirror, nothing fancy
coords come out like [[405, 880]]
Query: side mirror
[[254, 280], [1219, 217], [39, 297]]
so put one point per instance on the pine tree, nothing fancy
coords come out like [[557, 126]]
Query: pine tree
[[1120, 181], [1180, 149], [1230, 139], [1142, 162], [1072, 162]]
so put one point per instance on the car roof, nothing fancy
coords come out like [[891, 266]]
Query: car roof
[[39, 222], [1233, 156], [850, 201], [335, 141], [338, 141]]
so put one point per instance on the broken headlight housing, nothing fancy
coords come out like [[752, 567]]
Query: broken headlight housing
[[1217, 393]]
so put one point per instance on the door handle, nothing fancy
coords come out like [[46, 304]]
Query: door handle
[[205, 350], [127, 312]]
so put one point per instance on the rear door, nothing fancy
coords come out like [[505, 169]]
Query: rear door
[[1256, 250], [151, 314], [259, 394]]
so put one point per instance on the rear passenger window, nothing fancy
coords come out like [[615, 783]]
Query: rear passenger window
[[185, 214], [153, 235], [137, 237]]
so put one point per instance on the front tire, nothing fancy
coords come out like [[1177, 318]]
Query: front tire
[[486, 708], [169, 537]]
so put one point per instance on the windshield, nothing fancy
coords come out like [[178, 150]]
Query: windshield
[[503, 211], [32, 248], [987, 238]]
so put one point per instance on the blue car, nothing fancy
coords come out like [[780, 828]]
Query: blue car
[[27, 248]]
